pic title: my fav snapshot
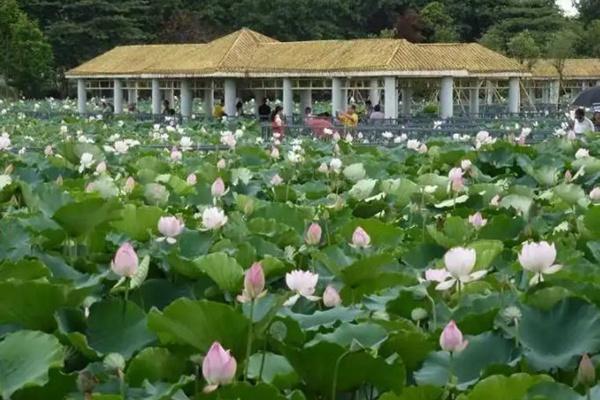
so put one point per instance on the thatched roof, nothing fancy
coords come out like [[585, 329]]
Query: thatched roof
[[248, 53], [574, 69]]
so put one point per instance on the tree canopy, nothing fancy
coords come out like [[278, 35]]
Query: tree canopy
[[78, 30]]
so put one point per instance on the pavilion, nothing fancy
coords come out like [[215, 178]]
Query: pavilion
[[247, 62]]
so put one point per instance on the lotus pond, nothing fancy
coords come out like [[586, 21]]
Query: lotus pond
[[137, 265]]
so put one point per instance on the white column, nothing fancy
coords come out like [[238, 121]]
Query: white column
[[209, 99], [447, 97], [474, 98], [374, 93], [170, 97], [336, 96], [81, 96], [584, 85], [406, 101], [132, 95], [514, 95], [259, 96], [305, 99], [390, 94], [156, 96], [490, 88], [118, 96], [186, 98], [344, 96], [229, 90], [288, 98], [554, 91], [597, 83]]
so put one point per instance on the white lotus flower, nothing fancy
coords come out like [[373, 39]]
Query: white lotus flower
[[303, 283], [5, 141], [213, 218], [86, 161], [5, 180], [539, 258], [336, 165], [582, 153], [459, 263], [595, 194]]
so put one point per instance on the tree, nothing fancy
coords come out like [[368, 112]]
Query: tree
[[589, 44], [589, 10], [524, 48], [81, 29], [439, 25], [560, 48], [472, 18], [26, 61], [541, 18]]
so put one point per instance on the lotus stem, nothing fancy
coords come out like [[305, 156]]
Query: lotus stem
[[249, 342], [335, 374]]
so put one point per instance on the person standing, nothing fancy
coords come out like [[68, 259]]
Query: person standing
[[277, 122], [350, 117], [596, 120], [219, 111], [582, 123], [264, 111], [377, 114]]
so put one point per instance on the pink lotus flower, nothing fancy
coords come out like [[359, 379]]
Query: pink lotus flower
[[568, 176], [313, 234], [218, 188], [456, 179], [303, 283], [125, 263], [191, 179], [331, 297], [477, 220], [170, 228], [254, 284], [459, 263], [176, 155], [539, 258], [218, 367], [436, 275], [360, 239], [452, 339], [221, 164]]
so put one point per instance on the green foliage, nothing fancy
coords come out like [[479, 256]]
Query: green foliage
[[439, 23], [524, 48], [26, 57]]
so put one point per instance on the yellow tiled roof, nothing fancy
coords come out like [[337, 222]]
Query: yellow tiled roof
[[248, 53], [575, 68]]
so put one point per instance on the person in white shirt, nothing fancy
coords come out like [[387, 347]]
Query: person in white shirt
[[582, 124], [377, 114]]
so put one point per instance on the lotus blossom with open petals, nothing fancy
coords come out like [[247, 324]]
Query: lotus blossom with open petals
[[539, 258], [303, 284], [459, 263]]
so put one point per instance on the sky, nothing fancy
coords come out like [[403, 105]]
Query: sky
[[566, 5]]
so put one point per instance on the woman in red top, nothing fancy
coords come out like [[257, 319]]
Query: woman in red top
[[277, 122]]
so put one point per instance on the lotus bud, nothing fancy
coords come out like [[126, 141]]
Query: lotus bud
[[48, 151], [59, 180], [221, 164], [360, 238], [254, 283], [218, 367], [275, 153], [313, 234], [568, 176], [125, 263], [418, 314], [452, 339], [129, 185], [323, 168], [101, 167], [331, 297], [466, 164], [595, 194], [586, 373], [218, 188]]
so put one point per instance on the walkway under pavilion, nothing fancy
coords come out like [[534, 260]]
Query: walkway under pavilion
[[247, 64]]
